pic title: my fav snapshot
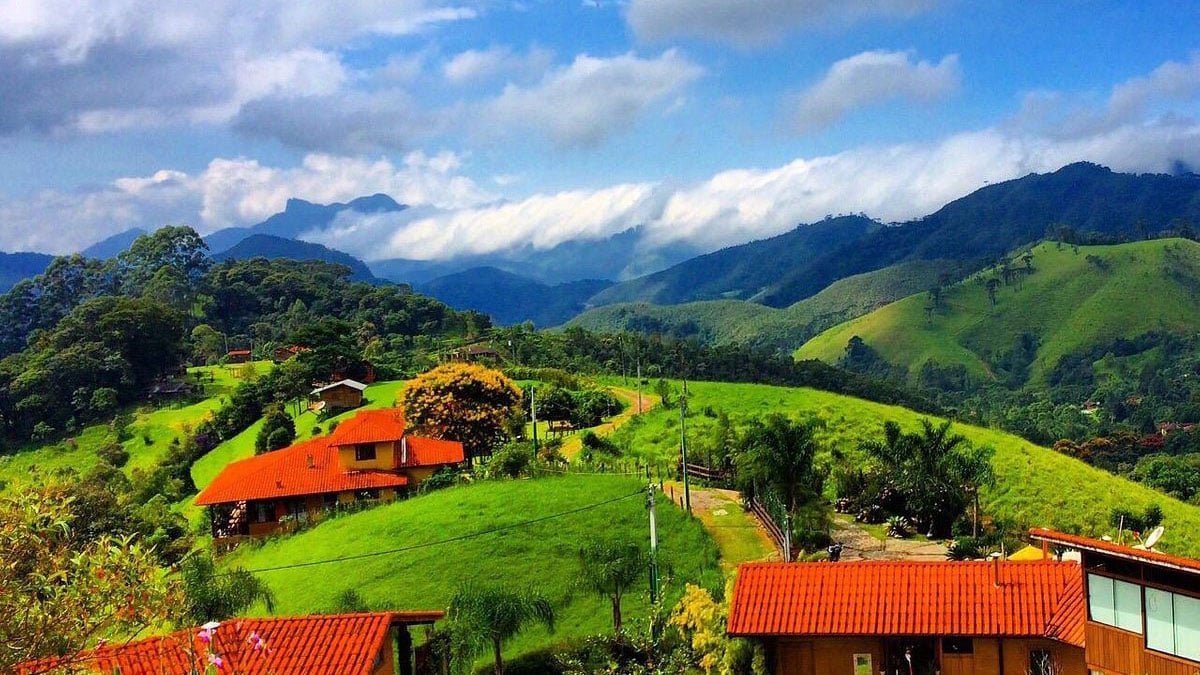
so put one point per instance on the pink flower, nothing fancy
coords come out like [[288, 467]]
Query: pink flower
[[205, 635], [216, 661]]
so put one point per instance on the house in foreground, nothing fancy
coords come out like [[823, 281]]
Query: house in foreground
[[377, 643], [1143, 606], [369, 457], [913, 618]]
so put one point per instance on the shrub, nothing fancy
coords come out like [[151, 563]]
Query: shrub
[[114, 454], [442, 478], [512, 460], [897, 526], [965, 548], [348, 602]]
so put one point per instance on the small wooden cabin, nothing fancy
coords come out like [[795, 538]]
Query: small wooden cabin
[[340, 395], [237, 356], [913, 618]]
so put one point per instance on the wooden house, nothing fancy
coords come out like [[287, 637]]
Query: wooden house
[[913, 618], [238, 356], [376, 643], [287, 352], [340, 395], [475, 354], [1143, 607], [368, 458]]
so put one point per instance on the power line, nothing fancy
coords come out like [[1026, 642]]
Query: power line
[[463, 537]]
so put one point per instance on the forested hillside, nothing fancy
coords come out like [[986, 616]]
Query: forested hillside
[[742, 322]]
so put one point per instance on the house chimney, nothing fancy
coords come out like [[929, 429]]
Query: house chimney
[[995, 569], [310, 460]]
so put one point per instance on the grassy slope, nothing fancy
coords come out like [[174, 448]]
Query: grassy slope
[[744, 322], [1067, 302], [541, 555], [161, 425], [1036, 486]]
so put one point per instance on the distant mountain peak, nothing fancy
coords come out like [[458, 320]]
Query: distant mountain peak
[[376, 203]]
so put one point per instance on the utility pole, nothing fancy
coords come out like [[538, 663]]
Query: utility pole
[[639, 383], [533, 416], [687, 495], [653, 545]]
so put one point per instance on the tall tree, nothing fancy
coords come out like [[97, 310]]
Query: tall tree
[[480, 617], [463, 402], [609, 568], [210, 595], [780, 455]]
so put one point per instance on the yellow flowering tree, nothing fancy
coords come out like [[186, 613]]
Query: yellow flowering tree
[[701, 621], [462, 402]]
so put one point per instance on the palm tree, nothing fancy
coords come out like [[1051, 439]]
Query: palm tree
[[609, 568], [480, 616], [211, 595], [780, 456]]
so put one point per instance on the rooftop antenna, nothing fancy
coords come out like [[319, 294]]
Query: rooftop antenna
[[1151, 539]]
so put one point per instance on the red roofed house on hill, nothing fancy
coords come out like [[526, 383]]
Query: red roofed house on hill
[[913, 618], [369, 457], [1143, 606], [332, 644]]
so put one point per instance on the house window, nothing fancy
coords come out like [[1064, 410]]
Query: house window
[[958, 645], [364, 452], [1115, 603], [1173, 623], [264, 512]]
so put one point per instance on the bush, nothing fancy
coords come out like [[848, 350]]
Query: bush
[[512, 460], [442, 478], [966, 548], [113, 454]]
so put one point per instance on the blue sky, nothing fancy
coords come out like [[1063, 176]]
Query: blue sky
[[539, 121]]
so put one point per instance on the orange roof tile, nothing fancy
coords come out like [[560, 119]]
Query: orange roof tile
[[370, 426], [307, 468], [1088, 544], [908, 598], [429, 452], [334, 644]]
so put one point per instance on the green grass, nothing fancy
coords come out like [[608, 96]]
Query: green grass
[[1035, 485], [721, 322], [1068, 302], [152, 430], [541, 555]]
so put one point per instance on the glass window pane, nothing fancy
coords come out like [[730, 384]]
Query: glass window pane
[[1129, 605], [1160, 621], [1100, 600], [1187, 627]]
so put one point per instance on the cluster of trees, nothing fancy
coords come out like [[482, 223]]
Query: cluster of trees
[[929, 478], [583, 408], [88, 337]]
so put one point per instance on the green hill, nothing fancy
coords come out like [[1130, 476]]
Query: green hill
[[720, 322], [1074, 298], [540, 554], [1035, 486]]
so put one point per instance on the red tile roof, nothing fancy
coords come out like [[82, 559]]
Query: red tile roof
[[239, 352], [429, 452], [1088, 544], [307, 468], [370, 426], [1041, 599], [335, 644]]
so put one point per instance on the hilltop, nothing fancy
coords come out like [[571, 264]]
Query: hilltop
[[1071, 299], [742, 322], [273, 247]]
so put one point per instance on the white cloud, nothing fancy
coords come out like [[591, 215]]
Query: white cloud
[[753, 23], [543, 221], [228, 192], [592, 98], [99, 67], [475, 65], [871, 78]]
